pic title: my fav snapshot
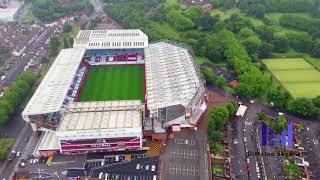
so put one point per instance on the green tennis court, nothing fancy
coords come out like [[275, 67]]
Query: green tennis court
[[114, 83]]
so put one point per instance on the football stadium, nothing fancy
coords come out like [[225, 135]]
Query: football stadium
[[112, 90]]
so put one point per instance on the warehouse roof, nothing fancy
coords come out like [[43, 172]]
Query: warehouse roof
[[172, 77], [111, 39], [102, 115], [54, 87]]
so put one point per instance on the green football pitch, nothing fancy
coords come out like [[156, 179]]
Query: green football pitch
[[114, 83]]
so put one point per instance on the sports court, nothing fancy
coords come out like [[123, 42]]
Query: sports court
[[296, 75], [114, 83]]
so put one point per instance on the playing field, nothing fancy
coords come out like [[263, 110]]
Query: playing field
[[114, 83], [296, 75]]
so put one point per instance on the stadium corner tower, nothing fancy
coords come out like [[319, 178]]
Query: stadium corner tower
[[111, 90]]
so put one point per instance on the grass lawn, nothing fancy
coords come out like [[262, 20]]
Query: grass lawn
[[114, 83], [296, 75]]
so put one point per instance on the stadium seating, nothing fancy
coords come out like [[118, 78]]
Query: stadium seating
[[120, 56]]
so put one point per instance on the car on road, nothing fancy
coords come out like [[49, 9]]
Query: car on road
[[138, 166], [245, 139], [100, 175], [18, 153], [153, 168], [31, 161]]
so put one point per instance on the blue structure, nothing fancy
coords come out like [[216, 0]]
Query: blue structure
[[284, 139]]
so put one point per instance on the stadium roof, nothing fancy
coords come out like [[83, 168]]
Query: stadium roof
[[111, 39], [102, 115], [54, 87], [171, 75], [48, 141]]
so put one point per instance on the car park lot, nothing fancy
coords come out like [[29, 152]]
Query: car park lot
[[134, 169], [184, 157]]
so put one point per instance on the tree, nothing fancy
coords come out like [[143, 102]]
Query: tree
[[280, 43], [67, 28], [261, 116], [316, 48], [54, 46], [266, 50], [212, 78], [193, 12], [278, 98], [253, 45], [246, 33], [179, 21], [206, 22], [218, 117], [300, 41], [302, 107], [256, 10], [279, 124], [292, 170], [266, 33], [252, 83], [232, 107], [215, 136], [228, 4], [316, 101], [66, 43]]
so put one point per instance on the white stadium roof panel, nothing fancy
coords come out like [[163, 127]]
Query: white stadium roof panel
[[102, 115], [171, 75], [52, 90], [111, 39]]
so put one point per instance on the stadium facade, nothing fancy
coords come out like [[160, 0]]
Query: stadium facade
[[174, 95]]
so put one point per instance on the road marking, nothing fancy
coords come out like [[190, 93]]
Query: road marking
[[183, 169]]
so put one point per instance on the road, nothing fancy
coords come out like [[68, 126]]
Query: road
[[20, 145]]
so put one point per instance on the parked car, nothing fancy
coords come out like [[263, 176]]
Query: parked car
[[147, 167], [100, 175], [18, 153], [138, 166], [153, 168]]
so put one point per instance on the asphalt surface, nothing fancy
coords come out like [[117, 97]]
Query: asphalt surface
[[125, 169], [184, 157]]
